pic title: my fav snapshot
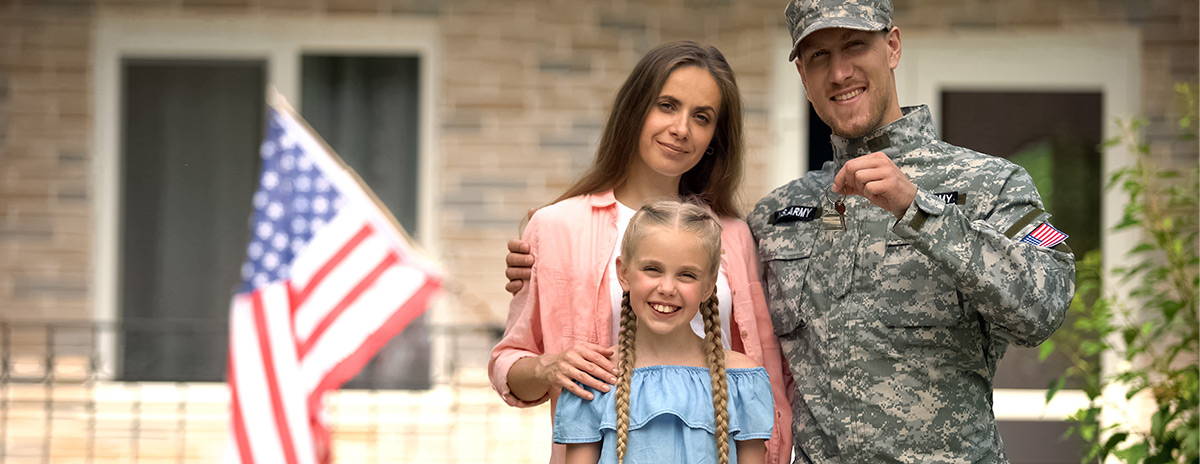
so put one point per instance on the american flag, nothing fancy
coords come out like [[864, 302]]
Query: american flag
[[1045, 235], [329, 279]]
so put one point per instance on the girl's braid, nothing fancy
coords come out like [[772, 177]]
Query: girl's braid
[[716, 370], [625, 361]]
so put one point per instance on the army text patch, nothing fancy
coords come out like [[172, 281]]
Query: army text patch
[[952, 198], [795, 213]]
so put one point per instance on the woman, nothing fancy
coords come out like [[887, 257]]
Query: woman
[[675, 130]]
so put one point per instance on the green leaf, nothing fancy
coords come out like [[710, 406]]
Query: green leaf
[[1087, 432], [1130, 334], [1142, 248], [1045, 350], [1111, 444], [1135, 453], [1170, 309], [1158, 422], [1055, 386]]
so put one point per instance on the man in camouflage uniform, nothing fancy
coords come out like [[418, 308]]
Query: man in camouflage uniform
[[892, 323]]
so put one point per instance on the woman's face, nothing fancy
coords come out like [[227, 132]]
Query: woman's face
[[679, 125]]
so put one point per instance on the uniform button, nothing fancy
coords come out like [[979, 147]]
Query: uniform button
[[745, 334]]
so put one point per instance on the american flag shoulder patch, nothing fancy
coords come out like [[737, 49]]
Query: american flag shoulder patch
[[1045, 235]]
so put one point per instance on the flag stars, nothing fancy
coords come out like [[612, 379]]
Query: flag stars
[[270, 261], [255, 250], [264, 230], [300, 204], [275, 210], [286, 140], [293, 202], [268, 150], [270, 180], [280, 241], [299, 225]]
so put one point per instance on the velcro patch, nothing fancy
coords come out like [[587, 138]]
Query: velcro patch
[[795, 213], [952, 198]]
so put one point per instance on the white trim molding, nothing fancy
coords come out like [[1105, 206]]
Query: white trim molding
[[280, 43]]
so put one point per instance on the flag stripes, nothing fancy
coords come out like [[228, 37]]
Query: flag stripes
[[327, 282], [1045, 235]]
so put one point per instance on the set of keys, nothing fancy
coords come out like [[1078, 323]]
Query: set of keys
[[831, 221]]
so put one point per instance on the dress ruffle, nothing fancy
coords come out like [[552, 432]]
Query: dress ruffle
[[670, 407]]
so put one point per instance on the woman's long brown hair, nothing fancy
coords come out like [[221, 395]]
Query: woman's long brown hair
[[716, 178]]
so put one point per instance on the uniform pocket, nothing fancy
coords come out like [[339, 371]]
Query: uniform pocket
[[786, 254], [915, 292]]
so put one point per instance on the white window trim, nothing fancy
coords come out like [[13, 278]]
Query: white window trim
[[280, 43], [1106, 59]]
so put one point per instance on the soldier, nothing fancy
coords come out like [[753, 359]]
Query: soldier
[[898, 274]]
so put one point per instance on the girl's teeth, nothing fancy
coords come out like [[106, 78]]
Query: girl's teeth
[[663, 308]]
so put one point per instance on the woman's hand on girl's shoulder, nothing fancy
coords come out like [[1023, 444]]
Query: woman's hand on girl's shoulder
[[587, 363], [736, 360]]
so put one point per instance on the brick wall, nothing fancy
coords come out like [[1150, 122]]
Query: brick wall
[[524, 89]]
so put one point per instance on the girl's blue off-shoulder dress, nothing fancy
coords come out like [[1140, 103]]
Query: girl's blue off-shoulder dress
[[670, 415]]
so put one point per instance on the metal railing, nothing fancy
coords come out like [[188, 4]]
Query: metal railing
[[67, 395]]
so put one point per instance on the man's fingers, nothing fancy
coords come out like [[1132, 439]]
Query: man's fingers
[[518, 273], [514, 286], [515, 259], [517, 245]]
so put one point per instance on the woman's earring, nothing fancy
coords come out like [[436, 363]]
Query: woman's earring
[[709, 151]]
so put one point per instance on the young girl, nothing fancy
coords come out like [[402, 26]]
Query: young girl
[[675, 401]]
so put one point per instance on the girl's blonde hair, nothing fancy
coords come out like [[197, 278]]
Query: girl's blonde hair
[[692, 218]]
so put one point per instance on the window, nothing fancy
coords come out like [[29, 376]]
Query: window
[[190, 132], [179, 117]]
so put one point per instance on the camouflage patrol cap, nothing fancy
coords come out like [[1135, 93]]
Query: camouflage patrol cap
[[806, 16]]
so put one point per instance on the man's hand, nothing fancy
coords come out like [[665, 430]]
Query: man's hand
[[876, 178], [519, 263]]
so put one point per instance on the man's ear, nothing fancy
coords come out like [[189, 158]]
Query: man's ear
[[893, 45], [803, 78], [622, 266]]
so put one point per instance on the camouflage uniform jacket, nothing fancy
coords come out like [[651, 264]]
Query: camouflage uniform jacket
[[892, 329]]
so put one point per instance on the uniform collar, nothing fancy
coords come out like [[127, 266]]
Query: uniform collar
[[911, 131]]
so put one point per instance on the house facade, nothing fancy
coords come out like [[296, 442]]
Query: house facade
[[129, 131]]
